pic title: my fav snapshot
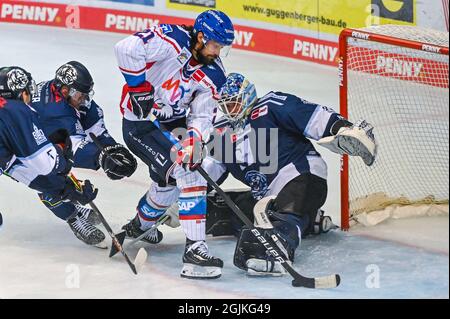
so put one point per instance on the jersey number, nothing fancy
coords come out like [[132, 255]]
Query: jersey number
[[145, 35]]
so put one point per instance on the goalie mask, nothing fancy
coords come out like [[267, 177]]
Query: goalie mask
[[238, 96], [14, 81]]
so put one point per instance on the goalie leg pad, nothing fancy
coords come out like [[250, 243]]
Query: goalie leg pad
[[249, 248]]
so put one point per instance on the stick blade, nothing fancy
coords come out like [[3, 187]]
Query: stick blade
[[140, 259], [326, 282], [120, 238]]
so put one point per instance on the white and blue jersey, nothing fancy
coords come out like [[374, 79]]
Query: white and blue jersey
[[25, 152], [268, 162], [161, 56]]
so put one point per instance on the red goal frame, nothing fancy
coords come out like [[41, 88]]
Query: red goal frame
[[343, 96]]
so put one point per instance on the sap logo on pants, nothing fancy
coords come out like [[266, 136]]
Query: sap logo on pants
[[186, 206], [148, 211], [400, 10]]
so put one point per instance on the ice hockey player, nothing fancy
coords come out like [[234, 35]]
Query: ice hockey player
[[175, 72], [67, 102], [291, 193], [26, 154]]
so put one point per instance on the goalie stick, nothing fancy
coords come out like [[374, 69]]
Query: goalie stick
[[271, 244], [117, 241]]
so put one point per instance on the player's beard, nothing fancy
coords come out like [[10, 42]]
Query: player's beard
[[205, 59]]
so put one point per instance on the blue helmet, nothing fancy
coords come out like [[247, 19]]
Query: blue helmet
[[216, 26], [237, 97]]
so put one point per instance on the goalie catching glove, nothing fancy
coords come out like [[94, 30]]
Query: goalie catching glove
[[117, 162], [354, 140]]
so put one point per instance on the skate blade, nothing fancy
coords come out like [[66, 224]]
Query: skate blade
[[198, 272], [101, 245]]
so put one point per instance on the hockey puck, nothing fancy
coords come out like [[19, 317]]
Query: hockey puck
[[1, 220]]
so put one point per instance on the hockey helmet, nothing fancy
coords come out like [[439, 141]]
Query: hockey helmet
[[14, 81], [217, 29], [77, 78], [237, 98]]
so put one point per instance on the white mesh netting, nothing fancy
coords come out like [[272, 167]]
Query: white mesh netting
[[404, 93]]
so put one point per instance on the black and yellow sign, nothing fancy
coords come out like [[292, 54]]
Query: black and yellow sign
[[398, 10]]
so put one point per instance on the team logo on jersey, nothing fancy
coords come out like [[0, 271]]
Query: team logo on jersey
[[259, 112], [17, 80], [67, 74], [258, 183], [38, 135], [178, 91], [184, 56]]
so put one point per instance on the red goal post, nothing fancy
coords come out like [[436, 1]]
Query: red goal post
[[387, 73]]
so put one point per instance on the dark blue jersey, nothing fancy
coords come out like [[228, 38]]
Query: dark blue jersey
[[25, 151], [92, 121], [275, 147], [55, 113]]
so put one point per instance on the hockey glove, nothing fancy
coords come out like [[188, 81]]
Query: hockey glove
[[142, 99], [61, 139], [78, 192], [192, 153], [117, 161]]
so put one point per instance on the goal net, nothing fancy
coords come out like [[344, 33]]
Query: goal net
[[396, 77]]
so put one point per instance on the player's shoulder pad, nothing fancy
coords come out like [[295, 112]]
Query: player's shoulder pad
[[275, 99], [166, 28], [176, 33]]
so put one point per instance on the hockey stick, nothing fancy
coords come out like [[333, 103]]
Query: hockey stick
[[271, 244], [141, 257]]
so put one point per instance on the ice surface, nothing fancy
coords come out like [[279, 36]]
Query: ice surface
[[40, 257]]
